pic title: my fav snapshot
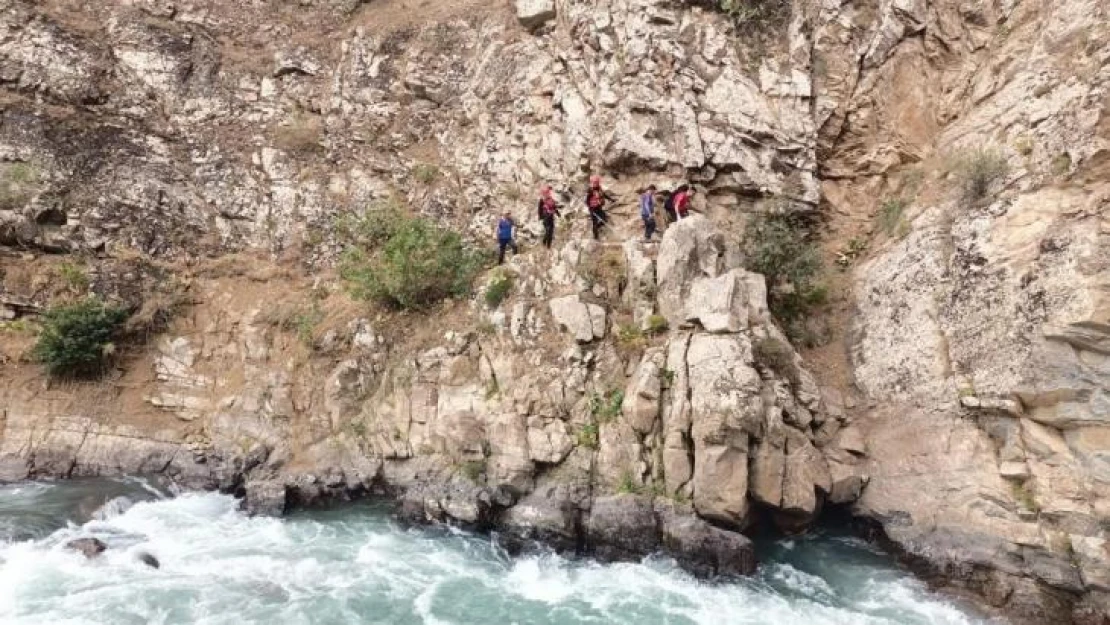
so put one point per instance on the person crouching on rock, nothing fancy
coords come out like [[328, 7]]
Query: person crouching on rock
[[505, 229], [647, 212], [596, 199], [548, 210]]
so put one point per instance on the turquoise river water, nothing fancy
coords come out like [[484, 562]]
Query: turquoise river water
[[355, 565]]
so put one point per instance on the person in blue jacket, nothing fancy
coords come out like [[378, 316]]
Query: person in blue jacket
[[647, 212], [505, 229]]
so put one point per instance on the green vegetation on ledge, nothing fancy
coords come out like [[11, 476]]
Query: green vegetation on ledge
[[406, 262], [77, 339], [780, 247]]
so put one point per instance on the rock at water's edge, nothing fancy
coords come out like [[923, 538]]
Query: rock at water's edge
[[265, 498], [621, 527], [702, 549]]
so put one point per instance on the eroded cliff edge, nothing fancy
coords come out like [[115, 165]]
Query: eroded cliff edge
[[218, 145]]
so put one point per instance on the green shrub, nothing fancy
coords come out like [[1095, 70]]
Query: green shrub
[[849, 253], [777, 356], [73, 276], [1061, 164], [1025, 496], [15, 326], [606, 407], [357, 429], [425, 173], [607, 268], [305, 322], [589, 435], [17, 184], [779, 247], [756, 15], [493, 389], [498, 289], [473, 470], [416, 265], [890, 215], [668, 377], [77, 339], [628, 485], [656, 325], [629, 336], [978, 171], [372, 227]]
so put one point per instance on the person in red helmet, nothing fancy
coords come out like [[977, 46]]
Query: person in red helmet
[[548, 210], [596, 199]]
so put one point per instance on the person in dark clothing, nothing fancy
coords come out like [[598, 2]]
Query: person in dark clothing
[[668, 204], [647, 212], [596, 199], [505, 229], [548, 210]]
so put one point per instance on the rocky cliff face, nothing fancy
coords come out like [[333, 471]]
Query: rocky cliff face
[[207, 148]]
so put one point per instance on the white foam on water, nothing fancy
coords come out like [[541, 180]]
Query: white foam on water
[[220, 567], [800, 581]]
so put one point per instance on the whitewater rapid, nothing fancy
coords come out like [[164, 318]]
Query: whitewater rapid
[[356, 566]]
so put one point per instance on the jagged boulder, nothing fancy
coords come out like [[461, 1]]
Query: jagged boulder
[[702, 548], [730, 302], [265, 498], [691, 249], [548, 515], [584, 321], [622, 527], [533, 14]]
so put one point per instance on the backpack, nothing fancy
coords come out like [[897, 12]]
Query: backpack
[[668, 205], [595, 199]]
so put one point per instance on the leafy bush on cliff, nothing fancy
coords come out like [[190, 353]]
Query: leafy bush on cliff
[[407, 262], [498, 289], [780, 247], [17, 184], [756, 14], [977, 172], [778, 356], [77, 339]]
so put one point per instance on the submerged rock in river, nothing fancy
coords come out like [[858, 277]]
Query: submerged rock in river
[[89, 547]]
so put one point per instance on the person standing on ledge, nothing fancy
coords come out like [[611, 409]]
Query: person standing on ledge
[[596, 199], [505, 229], [548, 210], [647, 212]]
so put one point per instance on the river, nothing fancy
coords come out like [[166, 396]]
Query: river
[[355, 565]]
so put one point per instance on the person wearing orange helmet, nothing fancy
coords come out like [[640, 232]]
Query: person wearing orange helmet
[[596, 199], [548, 210]]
